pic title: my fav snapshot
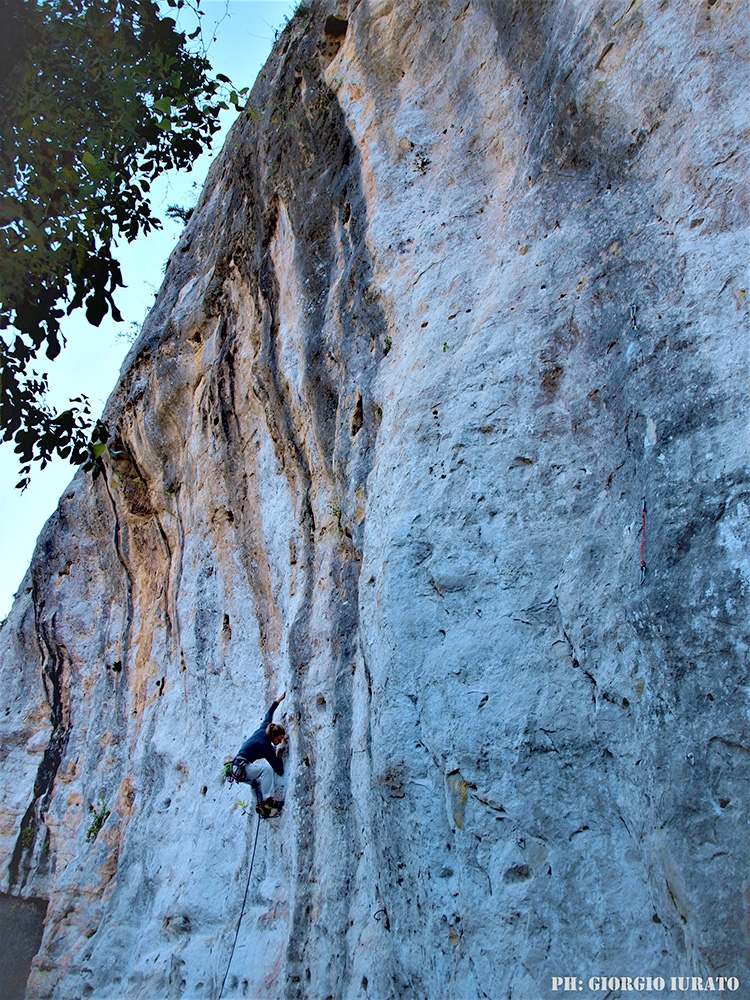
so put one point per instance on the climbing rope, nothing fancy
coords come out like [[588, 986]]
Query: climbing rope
[[643, 541], [244, 900]]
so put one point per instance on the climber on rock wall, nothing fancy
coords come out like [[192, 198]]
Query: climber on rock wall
[[259, 760]]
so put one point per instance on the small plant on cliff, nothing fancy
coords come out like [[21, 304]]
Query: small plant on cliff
[[100, 818], [27, 837], [301, 11], [180, 213], [336, 512], [421, 161]]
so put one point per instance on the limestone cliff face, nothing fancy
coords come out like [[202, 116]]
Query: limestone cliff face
[[384, 442]]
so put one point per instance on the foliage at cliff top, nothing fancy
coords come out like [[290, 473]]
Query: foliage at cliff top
[[97, 98]]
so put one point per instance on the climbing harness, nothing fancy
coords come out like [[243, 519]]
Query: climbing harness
[[235, 770], [244, 900], [643, 541], [633, 324]]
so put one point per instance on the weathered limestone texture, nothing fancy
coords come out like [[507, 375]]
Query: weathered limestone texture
[[383, 442]]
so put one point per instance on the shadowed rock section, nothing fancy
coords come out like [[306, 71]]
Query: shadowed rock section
[[21, 928], [465, 288]]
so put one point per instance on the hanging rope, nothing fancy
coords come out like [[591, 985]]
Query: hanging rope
[[244, 900], [643, 541]]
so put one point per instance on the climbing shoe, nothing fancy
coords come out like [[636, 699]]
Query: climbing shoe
[[269, 808]]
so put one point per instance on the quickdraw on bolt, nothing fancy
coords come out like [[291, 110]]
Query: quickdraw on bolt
[[643, 541], [633, 324]]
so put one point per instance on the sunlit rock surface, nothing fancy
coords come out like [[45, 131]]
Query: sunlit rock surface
[[469, 285]]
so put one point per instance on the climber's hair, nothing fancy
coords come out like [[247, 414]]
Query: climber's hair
[[274, 729]]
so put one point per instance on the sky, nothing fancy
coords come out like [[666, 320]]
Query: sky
[[239, 35]]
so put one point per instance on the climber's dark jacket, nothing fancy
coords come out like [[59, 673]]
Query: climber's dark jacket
[[259, 745]]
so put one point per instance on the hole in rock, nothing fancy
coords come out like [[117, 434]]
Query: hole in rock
[[333, 36], [335, 27], [358, 416], [518, 873]]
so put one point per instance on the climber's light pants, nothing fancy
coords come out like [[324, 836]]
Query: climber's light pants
[[260, 771]]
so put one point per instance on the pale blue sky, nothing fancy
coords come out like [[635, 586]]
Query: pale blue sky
[[91, 362]]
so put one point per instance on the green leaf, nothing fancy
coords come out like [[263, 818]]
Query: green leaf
[[90, 162]]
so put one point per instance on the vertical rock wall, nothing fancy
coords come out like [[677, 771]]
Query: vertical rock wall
[[384, 442]]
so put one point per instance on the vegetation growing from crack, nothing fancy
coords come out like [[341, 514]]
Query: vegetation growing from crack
[[101, 815], [421, 161], [180, 213]]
